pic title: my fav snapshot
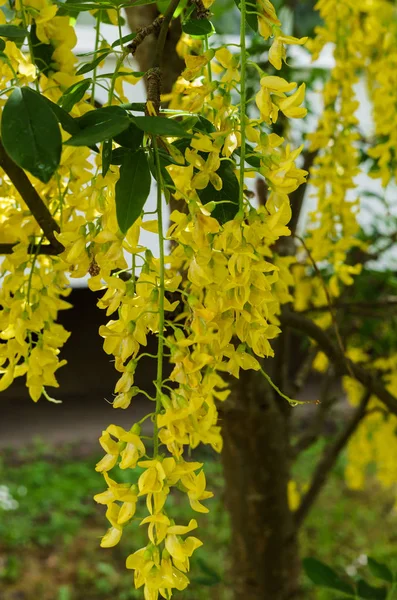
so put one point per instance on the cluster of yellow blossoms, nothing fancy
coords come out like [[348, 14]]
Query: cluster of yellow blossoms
[[221, 273], [224, 277], [364, 40], [378, 427]]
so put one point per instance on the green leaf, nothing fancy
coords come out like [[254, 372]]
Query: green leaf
[[230, 192], [368, 592], [131, 138], [118, 155], [67, 8], [380, 570], [162, 6], [164, 162], [30, 133], [251, 157], [72, 8], [198, 27], [124, 40], [42, 53], [323, 576], [74, 94], [13, 32], [2, 45], [251, 20], [160, 126], [87, 67], [68, 123], [204, 125], [99, 125], [132, 188], [121, 74], [106, 156]]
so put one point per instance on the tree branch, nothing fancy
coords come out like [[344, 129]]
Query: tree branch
[[328, 461], [144, 32], [342, 364], [32, 199], [354, 305], [46, 249]]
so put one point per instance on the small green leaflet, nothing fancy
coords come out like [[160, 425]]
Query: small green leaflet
[[162, 6], [369, 592], [322, 575], [131, 138], [31, 134], [380, 570], [74, 94], [121, 74], [118, 155], [68, 123], [132, 188], [224, 211], [99, 125], [12, 32], [42, 53], [198, 27], [160, 126], [87, 67], [70, 7], [124, 40]]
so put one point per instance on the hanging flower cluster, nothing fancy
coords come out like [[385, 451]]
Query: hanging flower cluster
[[363, 36], [72, 199], [212, 301], [334, 221]]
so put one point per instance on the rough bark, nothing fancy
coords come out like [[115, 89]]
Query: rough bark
[[264, 552]]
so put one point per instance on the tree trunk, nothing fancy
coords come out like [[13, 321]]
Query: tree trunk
[[263, 547]]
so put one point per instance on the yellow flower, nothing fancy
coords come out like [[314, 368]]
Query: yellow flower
[[207, 169]]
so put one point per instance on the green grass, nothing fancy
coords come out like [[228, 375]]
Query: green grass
[[49, 539]]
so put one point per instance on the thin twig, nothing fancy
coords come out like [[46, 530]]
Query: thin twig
[[328, 461], [31, 198], [354, 305], [46, 249], [341, 363], [144, 32]]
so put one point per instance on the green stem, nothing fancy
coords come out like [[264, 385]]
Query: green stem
[[160, 348], [97, 34], [115, 74], [169, 13], [120, 32], [243, 99], [34, 258], [25, 24], [291, 401]]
